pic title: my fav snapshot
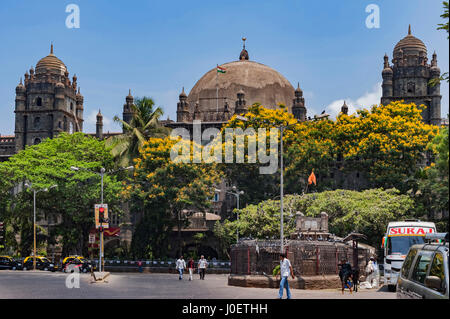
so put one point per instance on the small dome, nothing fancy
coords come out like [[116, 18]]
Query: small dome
[[410, 43], [20, 86], [183, 94], [387, 71], [51, 62]]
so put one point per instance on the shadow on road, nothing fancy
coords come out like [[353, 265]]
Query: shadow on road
[[383, 289]]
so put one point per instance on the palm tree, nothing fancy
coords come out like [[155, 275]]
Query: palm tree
[[144, 124]]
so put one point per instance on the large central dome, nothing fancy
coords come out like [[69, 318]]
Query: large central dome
[[259, 82]]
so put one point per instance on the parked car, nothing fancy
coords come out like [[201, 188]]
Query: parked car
[[76, 263], [42, 263], [425, 272], [7, 262]]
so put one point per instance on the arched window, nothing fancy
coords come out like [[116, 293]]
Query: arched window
[[39, 101], [37, 122], [37, 140], [71, 107]]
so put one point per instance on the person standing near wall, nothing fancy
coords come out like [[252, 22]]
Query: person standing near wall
[[285, 271]]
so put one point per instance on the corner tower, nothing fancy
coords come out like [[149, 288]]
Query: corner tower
[[409, 78], [47, 103]]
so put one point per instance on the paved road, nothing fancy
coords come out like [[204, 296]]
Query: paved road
[[40, 284]]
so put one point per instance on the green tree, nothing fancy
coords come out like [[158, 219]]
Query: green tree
[[367, 212], [143, 125], [432, 192], [71, 203], [442, 26]]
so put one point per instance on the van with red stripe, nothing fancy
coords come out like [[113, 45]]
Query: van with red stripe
[[398, 238]]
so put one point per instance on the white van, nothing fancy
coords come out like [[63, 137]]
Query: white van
[[399, 237]]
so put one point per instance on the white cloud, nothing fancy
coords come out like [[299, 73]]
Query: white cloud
[[365, 101]]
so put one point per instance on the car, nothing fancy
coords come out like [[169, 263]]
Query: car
[[42, 263], [425, 272], [79, 263], [7, 262]]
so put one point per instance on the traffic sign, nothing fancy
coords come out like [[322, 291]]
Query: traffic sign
[[101, 216], [91, 238]]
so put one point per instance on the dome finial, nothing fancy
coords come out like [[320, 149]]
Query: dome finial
[[244, 52], [51, 48], [409, 30]]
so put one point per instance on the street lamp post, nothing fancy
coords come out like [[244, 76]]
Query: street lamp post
[[237, 193], [35, 191], [101, 173], [281, 128]]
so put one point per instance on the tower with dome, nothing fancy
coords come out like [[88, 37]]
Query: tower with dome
[[47, 103], [409, 78]]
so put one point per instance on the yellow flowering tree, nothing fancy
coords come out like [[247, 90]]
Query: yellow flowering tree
[[247, 176], [164, 190], [387, 142]]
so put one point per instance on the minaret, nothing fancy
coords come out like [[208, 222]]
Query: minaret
[[80, 109], [387, 85], [241, 106], [435, 92], [127, 114], [298, 106], [183, 114], [99, 126], [344, 109]]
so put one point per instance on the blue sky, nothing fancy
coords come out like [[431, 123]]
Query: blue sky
[[157, 47]]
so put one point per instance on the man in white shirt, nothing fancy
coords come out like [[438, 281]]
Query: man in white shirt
[[285, 271], [181, 266], [202, 264]]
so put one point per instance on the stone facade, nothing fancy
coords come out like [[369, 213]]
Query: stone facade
[[409, 76], [232, 87], [47, 103]]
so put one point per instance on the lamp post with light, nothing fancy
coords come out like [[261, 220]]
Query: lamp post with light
[[35, 191], [281, 128], [101, 173]]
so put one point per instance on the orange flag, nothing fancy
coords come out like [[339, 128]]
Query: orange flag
[[312, 178]]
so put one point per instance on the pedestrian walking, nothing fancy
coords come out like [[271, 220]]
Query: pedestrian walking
[[202, 264], [191, 267], [140, 266], [370, 269], [181, 266], [285, 272], [345, 274]]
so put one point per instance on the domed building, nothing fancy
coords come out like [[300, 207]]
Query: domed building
[[409, 77], [232, 87], [47, 103]]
